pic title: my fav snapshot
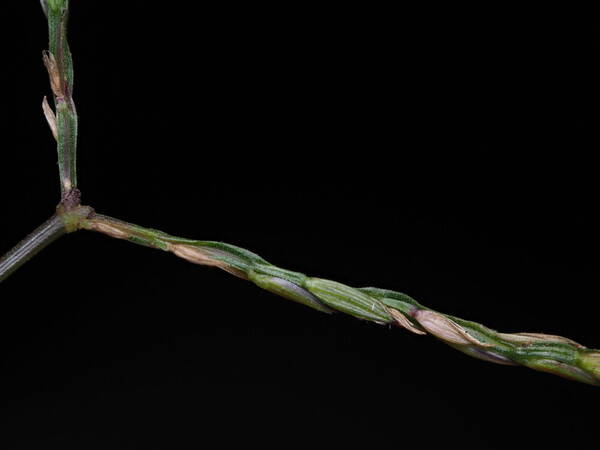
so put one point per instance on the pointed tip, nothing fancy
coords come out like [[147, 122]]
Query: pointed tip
[[401, 320], [445, 329], [44, 4], [50, 117]]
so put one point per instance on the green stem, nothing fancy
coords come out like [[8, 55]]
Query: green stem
[[60, 68], [45, 234]]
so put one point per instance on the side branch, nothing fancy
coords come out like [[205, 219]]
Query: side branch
[[543, 352], [63, 122]]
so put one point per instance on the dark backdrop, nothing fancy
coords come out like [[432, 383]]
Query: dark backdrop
[[445, 154]]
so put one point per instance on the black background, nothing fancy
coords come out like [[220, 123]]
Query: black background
[[445, 154]]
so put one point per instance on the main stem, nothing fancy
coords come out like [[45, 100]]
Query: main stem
[[45, 234]]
